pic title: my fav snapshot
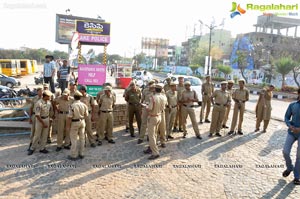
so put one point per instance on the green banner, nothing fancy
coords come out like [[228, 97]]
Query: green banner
[[93, 90]]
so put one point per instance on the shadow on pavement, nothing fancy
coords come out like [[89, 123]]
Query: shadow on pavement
[[273, 143], [282, 190]]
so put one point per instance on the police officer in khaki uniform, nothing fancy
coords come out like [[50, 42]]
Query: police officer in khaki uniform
[[239, 96], [263, 108], [49, 137], [72, 87], [167, 85], [32, 113], [76, 124], [162, 126], [133, 82], [89, 101], [179, 120], [106, 103], [187, 99], [42, 113], [230, 91], [171, 109], [133, 97], [220, 100], [207, 90], [62, 105], [155, 108], [147, 93]]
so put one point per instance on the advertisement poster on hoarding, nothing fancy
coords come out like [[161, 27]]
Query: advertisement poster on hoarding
[[89, 74]]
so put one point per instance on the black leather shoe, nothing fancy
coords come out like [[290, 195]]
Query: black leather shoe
[[163, 146], [199, 137], [44, 151], [206, 121], [111, 141], [140, 141], [225, 127], [29, 147], [30, 152], [218, 134], [132, 135], [200, 122], [99, 143], [147, 151], [67, 147], [256, 130], [296, 181], [72, 158], [184, 135], [240, 133], [175, 129], [210, 135], [170, 137], [93, 145], [58, 149], [49, 140], [81, 156], [180, 130], [126, 129], [230, 132], [153, 157], [106, 138], [286, 173]]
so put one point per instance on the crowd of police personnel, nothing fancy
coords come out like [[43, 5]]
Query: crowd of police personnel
[[159, 111]]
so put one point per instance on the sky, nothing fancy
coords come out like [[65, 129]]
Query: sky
[[31, 23]]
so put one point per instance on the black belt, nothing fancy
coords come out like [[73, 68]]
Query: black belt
[[205, 94], [172, 106], [90, 111], [106, 111], [76, 120], [134, 104], [64, 112], [220, 104], [192, 106], [33, 113], [44, 117]]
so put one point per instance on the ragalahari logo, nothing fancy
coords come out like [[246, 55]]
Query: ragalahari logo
[[236, 10]]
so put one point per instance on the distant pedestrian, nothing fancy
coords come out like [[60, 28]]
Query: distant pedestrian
[[49, 72], [292, 120], [64, 75]]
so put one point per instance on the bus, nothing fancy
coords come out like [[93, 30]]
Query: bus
[[10, 67], [26, 67]]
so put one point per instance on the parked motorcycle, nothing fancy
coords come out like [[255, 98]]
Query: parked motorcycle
[[8, 93], [39, 80], [27, 92]]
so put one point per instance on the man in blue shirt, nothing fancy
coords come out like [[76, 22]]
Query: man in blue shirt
[[64, 75], [292, 120], [49, 72]]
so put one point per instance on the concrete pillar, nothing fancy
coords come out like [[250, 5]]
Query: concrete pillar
[[295, 35], [287, 31], [255, 28]]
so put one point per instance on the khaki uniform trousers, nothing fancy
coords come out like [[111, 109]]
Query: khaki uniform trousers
[[206, 103], [153, 123], [170, 119], [77, 129], [237, 111], [144, 119], [263, 113], [179, 119], [127, 118], [189, 111], [32, 128], [162, 129], [50, 128], [217, 118], [134, 110], [40, 134], [88, 129], [106, 120], [62, 134], [226, 114]]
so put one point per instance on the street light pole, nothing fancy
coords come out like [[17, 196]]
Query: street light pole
[[209, 48]]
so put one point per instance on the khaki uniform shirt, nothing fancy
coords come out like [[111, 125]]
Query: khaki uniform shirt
[[146, 95], [100, 93], [34, 101], [89, 101], [207, 89], [157, 104], [172, 98], [167, 87], [43, 108], [189, 95], [72, 93], [63, 105], [241, 95], [221, 97], [133, 97], [180, 89], [78, 110], [106, 103]]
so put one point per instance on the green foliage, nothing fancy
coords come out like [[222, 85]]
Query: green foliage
[[218, 79], [283, 66], [241, 61], [226, 70]]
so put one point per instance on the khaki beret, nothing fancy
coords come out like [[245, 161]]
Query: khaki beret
[[206, 76], [230, 81], [172, 84], [78, 94], [223, 82], [187, 83], [66, 92], [46, 85], [241, 80], [107, 88], [159, 85], [48, 93]]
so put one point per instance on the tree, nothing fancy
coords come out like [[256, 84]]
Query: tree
[[226, 70], [283, 66], [296, 73], [241, 61]]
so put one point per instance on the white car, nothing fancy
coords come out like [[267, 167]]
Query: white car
[[196, 84]]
